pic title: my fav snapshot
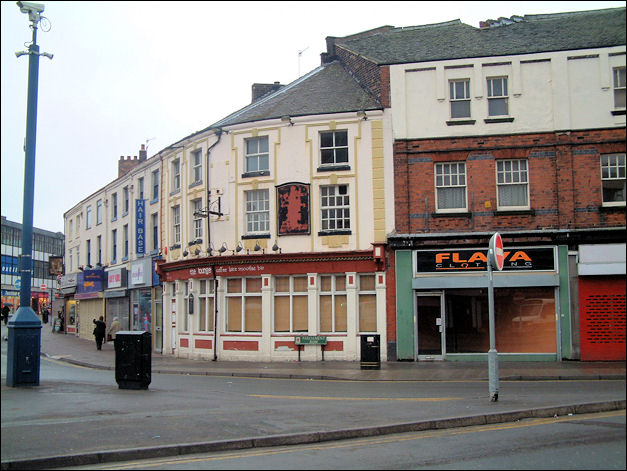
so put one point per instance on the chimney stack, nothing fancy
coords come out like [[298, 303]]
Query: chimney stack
[[262, 89], [127, 164]]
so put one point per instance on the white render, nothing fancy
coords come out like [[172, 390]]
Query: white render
[[551, 91]]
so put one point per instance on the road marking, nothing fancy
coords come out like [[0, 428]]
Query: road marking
[[326, 398], [248, 453]]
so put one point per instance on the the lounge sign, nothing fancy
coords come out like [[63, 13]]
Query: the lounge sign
[[471, 260]]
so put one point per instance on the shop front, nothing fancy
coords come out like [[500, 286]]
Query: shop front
[[442, 304], [117, 297], [254, 308], [90, 306], [68, 285], [145, 297], [601, 280]]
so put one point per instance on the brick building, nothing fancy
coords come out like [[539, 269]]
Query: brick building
[[517, 127]]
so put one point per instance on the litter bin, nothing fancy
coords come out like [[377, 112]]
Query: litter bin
[[133, 367], [370, 352]]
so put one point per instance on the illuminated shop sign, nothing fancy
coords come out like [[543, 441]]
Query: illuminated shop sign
[[472, 260]]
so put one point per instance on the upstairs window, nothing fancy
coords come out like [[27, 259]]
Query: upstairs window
[[88, 218], [176, 224], [613, 179], [619, 87], [498, 96], [196, 218], [98, 212], [459, 91], [450, 186], [335, 208], [140, 185], [126, 199], [197, 166], [114, 206], [512, 180], [257, 211], [334, 148], [155, 185], [257, 156], [176, 175]]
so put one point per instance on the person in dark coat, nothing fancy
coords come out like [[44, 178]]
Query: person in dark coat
[[99, 331], [5, 314], [45, 315]]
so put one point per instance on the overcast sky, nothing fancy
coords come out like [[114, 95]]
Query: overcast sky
[[132, 73]]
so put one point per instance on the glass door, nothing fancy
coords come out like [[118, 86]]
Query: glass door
[[158, 318], [430, 326]]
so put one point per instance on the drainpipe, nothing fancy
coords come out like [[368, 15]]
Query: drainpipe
[[213, 272]]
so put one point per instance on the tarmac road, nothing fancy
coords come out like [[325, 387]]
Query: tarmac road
[[78, 415]]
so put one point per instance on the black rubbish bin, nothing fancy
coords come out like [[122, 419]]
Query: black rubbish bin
[[370, 352], [133, 352]]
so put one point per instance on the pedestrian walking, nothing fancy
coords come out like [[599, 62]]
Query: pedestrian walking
[[114, 328], [45, 315], [99, 331], [61, 320], [5, 314]]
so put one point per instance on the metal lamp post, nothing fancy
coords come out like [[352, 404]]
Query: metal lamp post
[[24, 338]]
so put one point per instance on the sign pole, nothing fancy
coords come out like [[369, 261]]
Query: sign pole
[[496, 257]]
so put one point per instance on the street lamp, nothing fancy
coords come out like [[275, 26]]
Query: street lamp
[[24, 338]]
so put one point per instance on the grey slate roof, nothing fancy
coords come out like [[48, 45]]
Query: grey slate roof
[[327, 89], [456, 40]]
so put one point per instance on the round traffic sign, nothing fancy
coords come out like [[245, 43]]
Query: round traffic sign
[[496, 249]]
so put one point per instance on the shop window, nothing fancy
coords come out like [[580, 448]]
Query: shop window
[[332, 302], [290, 304], [525, 320], [243, 305], [185, 306], [206, 306], [367, 303]]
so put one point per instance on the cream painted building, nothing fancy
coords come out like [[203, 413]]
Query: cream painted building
[[290, 219]]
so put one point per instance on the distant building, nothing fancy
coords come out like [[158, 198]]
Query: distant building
[[43, 285]]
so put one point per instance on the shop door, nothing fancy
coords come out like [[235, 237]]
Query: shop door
[[430, 326], [158, 317]]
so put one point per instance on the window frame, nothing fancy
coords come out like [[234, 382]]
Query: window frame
[[242, 294], [126, 202], [455, 99], [196, 167], [504, 184], [114, 245], [176, 224], [366, 292], [493, 98], [291, 294], [99, 212], [155, 185], [328, 220], [197, 221], [205, 315], [334, 148], [463, 209], [617, 86], [333, 293], [263, 226], [618, 167], [176, 175], [259, 157], [88, 217], [114, 206]]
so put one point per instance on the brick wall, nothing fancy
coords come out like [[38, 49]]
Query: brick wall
[[564, 181], [367, 73]]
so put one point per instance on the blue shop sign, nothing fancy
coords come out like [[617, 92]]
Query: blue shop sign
[[90, 282], [140, 227]]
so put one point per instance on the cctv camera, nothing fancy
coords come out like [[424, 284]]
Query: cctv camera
[[34, 10]]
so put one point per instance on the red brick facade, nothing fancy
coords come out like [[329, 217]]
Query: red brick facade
[[564, 181]]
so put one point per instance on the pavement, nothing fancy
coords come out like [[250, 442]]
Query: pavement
[[543, 403]]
